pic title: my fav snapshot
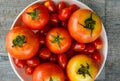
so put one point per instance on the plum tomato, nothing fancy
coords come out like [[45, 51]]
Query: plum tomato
[[76, 46], [53, 58], [33, 62], [84, 26], [22, 43], [61, 5], [97, 56], [58, 40], [64, 14], [44, 53], [29, 70], [62, 60], [98, 43], [73, 7], [54, 20], [48, 72], [35, 16], [50, 6], [19, 63]]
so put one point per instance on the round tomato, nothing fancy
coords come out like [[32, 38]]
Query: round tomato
[[29, 70], [61, 5], [48, 72], [82, 68], [84, 26], [58, 40], [35, 16], [19, 63], [78, 46], [97, 56], [22, 43]]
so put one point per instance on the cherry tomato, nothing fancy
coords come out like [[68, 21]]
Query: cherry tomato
[[51, 6], [70, 53], [64, 24], [22, 43], [84, 26], [48, 72], [98, 43], [19, 63], [73, 7], [61, 5], [29, 70], [33, 62], [44, 53], [64, 14], [89, 48], [78, 46], [35, 16], [97, 56], [62, 60], [54, 20], [58, 40], [45, 29], [53, 58]]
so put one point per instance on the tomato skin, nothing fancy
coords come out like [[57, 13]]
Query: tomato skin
[[46, 71], [19, 63], [29, 70], [98, 43], [33, 62], [54, 20], [61, 5], [53, 58], [62, 60], [97, 56], [73, 7], [89, 48], [64, 14], [44, 53], [64, 24], [40, 21], [78, 46], [76, 24], [28, 48], [63, 42], [50, 6]]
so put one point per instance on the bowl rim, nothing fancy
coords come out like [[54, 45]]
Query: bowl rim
[[79, 2]]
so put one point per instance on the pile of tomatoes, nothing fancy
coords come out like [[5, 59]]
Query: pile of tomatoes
[[44, 39]]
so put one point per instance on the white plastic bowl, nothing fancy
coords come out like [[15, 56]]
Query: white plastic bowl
[[21, 72]]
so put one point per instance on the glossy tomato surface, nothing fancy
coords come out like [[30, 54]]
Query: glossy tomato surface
[[84, 26], [58, 40], [35, 16], [19, 43], [48, 72]]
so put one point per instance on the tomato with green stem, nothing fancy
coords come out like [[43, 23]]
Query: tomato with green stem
[[22, 43], [58, 40], [35, 16]]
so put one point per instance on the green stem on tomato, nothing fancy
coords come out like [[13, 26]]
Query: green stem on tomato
[[19, 41]]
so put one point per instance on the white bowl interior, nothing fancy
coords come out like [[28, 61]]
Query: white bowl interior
[[21, 72]]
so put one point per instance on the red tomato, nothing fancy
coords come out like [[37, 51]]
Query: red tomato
[[19, 63], [35, 16], [44, 53], [53, 58], [62, 60], [73, 7], [64, 14], [64, 24], [58, 40], [45, 29], [48, 72], [19, 43], [98, 43], [33, 62], [89, 48], [84, 26], [97, 56], [41, 37], [29, 70], [78, 46], [54, 20], [51, 6], [61, 5]]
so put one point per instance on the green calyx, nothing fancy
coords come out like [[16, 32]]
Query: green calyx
[[51, 79], [34, 14], [19, 41], [84, 70], [57, 39], [89, 23]]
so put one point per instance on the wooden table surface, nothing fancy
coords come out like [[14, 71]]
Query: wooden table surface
[[108, 10]]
